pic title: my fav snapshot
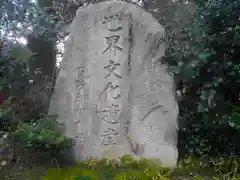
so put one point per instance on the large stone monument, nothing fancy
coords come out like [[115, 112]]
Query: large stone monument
[[113, 94]]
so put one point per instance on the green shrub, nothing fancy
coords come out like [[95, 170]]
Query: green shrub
[[203, 53], [143, 169], [43, 135], [123, 168], [6, 116], [225, 166]]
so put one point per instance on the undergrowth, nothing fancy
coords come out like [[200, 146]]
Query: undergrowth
[[143, 169]]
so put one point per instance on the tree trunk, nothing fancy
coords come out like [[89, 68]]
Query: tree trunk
[[45, 60]]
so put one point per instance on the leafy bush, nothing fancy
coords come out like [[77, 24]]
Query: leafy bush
[[223, 166], [6, 116], [43, 135], [204, 55], [21, 114], [125, 168], [14, 82], [128, 168]]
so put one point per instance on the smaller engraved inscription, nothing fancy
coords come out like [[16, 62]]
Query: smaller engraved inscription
[[111, 67], [110, 114], [112, 44], [111, 87], [78, 101], [80, 141], [80, 110], [82, 138], [80, 92], [80, 83], [79, 71], [109, 137]]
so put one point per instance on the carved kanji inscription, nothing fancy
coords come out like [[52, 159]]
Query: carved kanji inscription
[[112, 44], [112, 90], [111, 18], [108, 137], [110, 114], [115, 29], [111, 67]]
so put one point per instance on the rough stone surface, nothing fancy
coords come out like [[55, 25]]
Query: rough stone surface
[[113, 94]]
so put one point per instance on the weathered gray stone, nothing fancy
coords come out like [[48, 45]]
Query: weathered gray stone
[[113, 93]]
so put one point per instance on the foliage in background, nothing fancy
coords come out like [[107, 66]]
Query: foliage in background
[[6, 117], [15, 16], [21, 115], [20, 18], [14, 79], [204, 54]]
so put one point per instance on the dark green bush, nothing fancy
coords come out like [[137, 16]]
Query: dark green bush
[[21, 114], [143, 169], [43, 135], [6, 116], [125, 168], [204, 55]]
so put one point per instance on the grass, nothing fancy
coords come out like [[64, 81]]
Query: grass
[[35, 166]]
